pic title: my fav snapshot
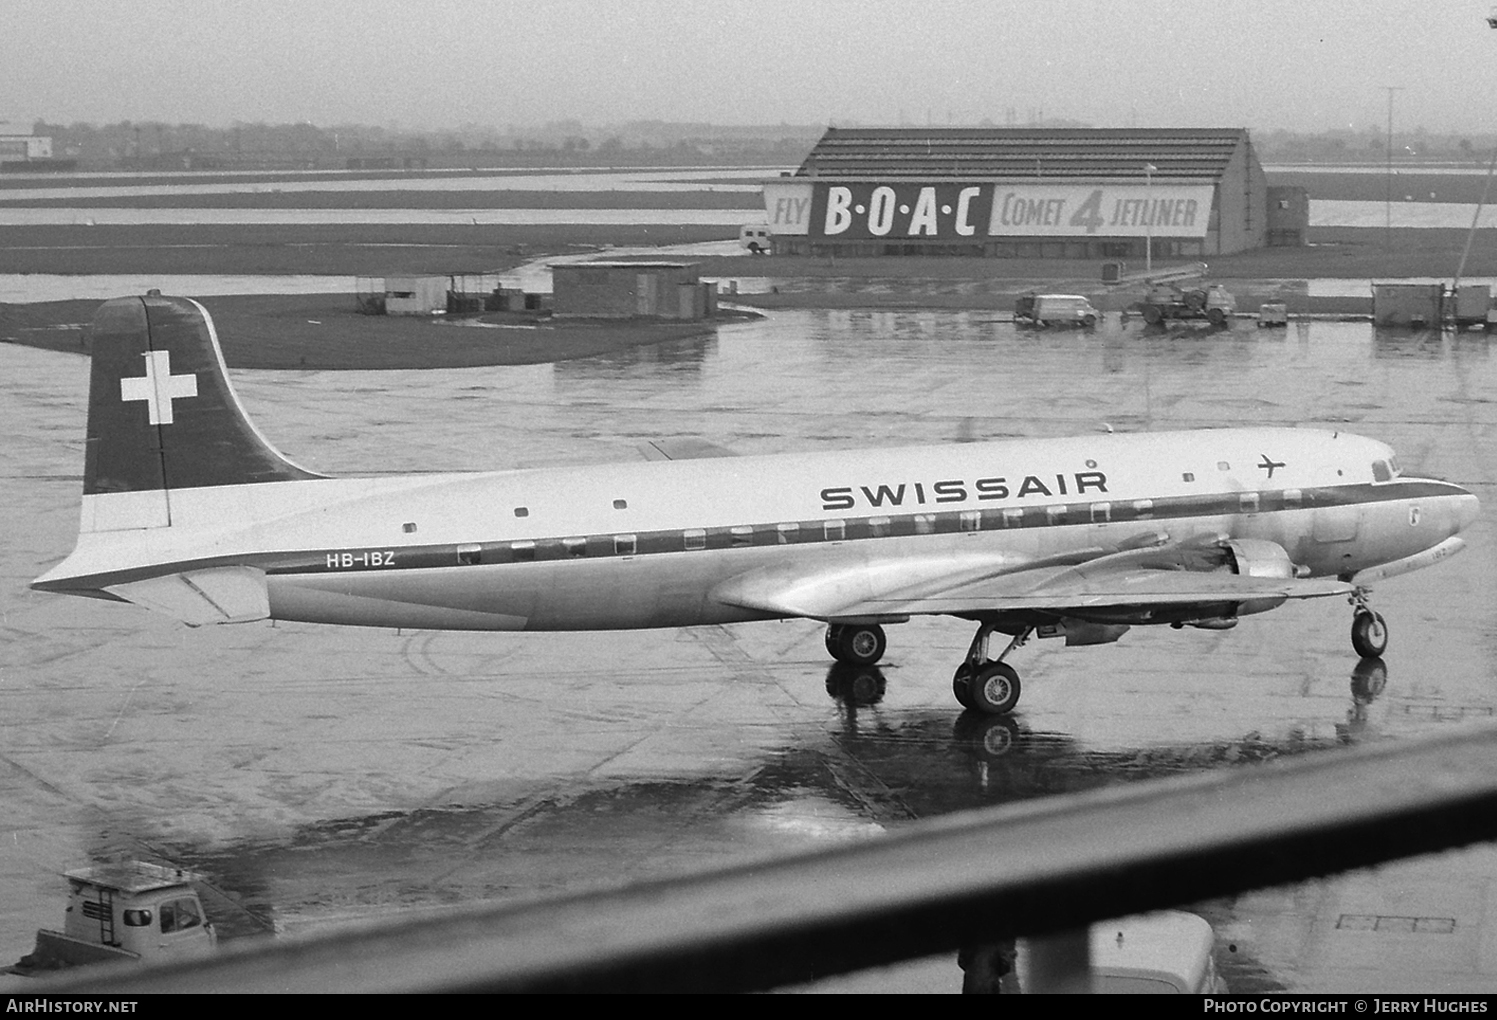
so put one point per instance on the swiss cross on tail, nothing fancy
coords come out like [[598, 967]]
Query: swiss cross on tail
[[158, 387]]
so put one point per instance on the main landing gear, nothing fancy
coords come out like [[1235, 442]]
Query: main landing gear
[[857, 644], [1369, 634], [990, 686]]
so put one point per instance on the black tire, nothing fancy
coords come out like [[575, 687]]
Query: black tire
[[1369, 635], [833, 631], [1089, 322], [1152, 315], [961, 685], [995, 689], [1216, 316], [860, 644]]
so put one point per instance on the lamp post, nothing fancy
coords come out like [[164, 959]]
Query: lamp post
[[1149, 169]]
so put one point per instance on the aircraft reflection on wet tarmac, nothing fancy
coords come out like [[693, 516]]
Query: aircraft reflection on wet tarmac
[[319, 775]]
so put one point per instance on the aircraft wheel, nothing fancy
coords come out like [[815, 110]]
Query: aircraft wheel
[[995, 689], [833, 633], [1152, 315], [961, 685], [1216, 316], [860, 644], [1369, 635]]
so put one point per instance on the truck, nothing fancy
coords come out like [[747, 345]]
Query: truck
[[1165, 301], [1055, 310], [128, 911], [755, 237]]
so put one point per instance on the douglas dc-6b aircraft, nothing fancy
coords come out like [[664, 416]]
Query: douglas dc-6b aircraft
[[188, 510]]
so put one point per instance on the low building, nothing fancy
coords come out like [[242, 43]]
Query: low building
[[24, 148], [1078, 193], [627, 290], [416, 295]]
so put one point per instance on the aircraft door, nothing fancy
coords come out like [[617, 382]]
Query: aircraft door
[[1335, 520]]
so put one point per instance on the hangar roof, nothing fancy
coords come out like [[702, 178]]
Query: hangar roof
[[1022, 153]]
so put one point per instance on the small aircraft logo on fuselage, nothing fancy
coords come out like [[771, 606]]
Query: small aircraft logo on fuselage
[[1269, 465]]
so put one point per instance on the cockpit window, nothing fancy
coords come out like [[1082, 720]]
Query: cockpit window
[[1393, 466], [1381, 472]]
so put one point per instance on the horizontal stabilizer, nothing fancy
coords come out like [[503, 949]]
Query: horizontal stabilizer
[[683, 448], [199, 597]]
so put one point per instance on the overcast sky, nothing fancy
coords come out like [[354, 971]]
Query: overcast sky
[[1263, 64]]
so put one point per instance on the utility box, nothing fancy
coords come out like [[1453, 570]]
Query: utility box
[[1112, 272], [1408, 304], [1473, 302]]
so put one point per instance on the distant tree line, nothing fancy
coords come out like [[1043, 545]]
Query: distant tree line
[[162, 146], [158, 145]]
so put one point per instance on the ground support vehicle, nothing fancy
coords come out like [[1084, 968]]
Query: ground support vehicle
[[1165, 301], [130, 910], [1055, 310], [1273, 313]]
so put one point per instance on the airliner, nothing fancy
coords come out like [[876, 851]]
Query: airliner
[[188, 510]]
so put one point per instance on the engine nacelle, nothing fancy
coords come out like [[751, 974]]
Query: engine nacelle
[[1257, 557]]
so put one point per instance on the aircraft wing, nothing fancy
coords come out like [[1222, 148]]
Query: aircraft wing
[[1165, 574], [683, 448]]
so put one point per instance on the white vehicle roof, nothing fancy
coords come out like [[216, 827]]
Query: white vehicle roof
[[130, 876]]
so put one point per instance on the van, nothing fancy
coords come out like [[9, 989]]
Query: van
[[1055, 310], [755, 237]]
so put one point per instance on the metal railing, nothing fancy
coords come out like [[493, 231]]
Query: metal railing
[[1031, 869]]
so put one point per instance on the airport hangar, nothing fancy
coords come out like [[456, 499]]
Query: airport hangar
[[1074, 193]]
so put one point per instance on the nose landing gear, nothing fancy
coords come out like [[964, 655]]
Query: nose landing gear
[[1369, 632]]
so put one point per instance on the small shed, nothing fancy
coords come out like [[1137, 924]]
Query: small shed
[[415, 295], [1408, 304], [627, 290]]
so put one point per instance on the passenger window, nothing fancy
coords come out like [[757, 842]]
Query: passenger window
[[522, 551], [1143, 508], [743, 535], [1101, 512], [1188, 476], [878, 527], [1222, 465], [925, 524], [835, 531], [1248, 502], [468, 555], [971, 520], [623, 545], [1013, 518], [788, 533], [694, 540], [574, 546], [1292, 497], [1056, 514]]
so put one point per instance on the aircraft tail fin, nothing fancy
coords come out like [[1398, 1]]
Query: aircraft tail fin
[[162, 415]]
